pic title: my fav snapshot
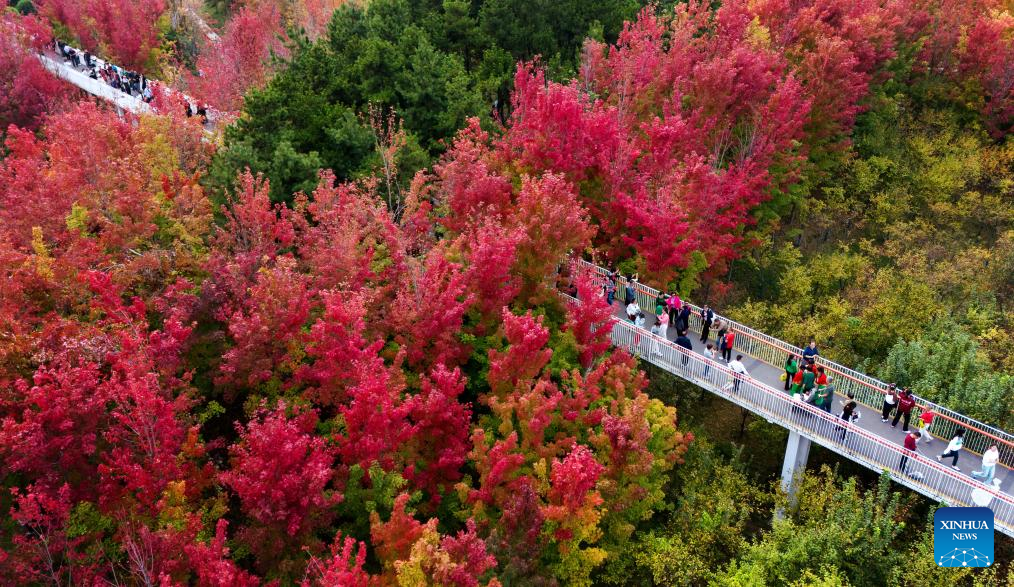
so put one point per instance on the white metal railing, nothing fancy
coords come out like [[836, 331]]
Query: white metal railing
[[868, 390], [923, 475]]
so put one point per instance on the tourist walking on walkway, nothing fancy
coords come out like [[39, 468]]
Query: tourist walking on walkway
[[709, 354], [730, 339], [988, 470], [684, 341], [924, 423], [953, 448], [848, 414], [707, 319], [738, 372], [910, 450], [890, 399], [906, 401], [791, 367]]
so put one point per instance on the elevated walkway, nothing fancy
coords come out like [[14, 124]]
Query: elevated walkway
[[868, 442]]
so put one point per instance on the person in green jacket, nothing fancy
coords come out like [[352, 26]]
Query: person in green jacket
[[809, 377], [791, 366]]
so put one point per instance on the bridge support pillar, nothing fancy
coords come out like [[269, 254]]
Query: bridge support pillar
[[796, 452]]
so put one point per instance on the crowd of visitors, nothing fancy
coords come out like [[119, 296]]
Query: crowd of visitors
[[804, 379], [128, 82]]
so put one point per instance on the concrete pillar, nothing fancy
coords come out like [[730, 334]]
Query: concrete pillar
[[796, 452]]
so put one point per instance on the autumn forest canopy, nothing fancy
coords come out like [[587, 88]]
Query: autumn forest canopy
[[321, 341]]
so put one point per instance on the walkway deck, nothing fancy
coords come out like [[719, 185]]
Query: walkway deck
[[869, 441]]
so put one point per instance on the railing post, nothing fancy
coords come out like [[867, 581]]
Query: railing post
[[796, 452]]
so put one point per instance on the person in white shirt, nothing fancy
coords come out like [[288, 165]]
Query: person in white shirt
[[739, 372], [632, 311], [654, 340], [989, 459], [709, 353], [953, 448]]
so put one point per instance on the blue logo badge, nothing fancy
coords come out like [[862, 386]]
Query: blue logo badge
[[963, 537]]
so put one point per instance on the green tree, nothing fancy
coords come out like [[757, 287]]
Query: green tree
[[946, 365]]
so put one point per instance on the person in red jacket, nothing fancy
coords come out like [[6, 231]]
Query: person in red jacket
[[906, 401], [910, 450], [925, 421], [730, 337]]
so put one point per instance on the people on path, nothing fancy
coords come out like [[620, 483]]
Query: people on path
[[728, 342], [988, 469], [721, 326], [791, 367], [953, 448], [630, 295], [910, 450], [709, 353], [684, 341], [849, 413], [633, 310], [906, 401], [810, 353], [640, 319], [925, 422], [797, 383], [663, 325], [890, 399], [824, 393], [739, 372], [707, 319], [809, 382], [654, 340], [610, 285], [683, 323]]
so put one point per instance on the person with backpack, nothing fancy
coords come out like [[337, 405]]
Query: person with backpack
[[791, 367], [890, 399], [707, 319], [849, 414], [953, 448], [730, 339], [906, 401]]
